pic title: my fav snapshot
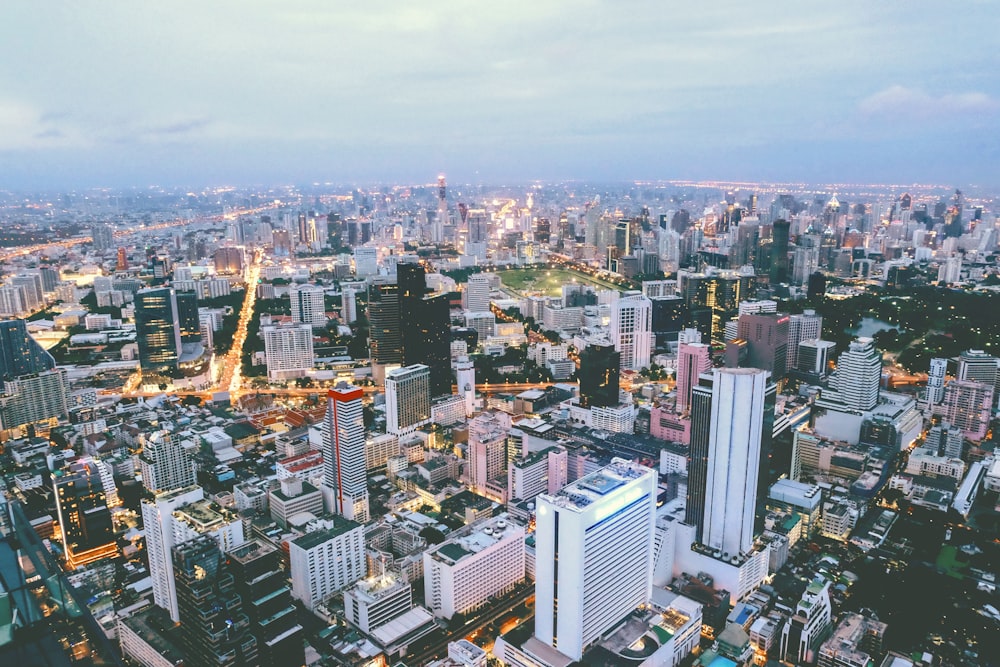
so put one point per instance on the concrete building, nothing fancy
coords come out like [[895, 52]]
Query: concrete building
[[809, 626], [165, 463], [693, 359], [465, 572], [344, 472], [288, 351], [294, 497], [407, 399], [632, 330], [307, 304], [326, 561], [594, 555], [856, 642]]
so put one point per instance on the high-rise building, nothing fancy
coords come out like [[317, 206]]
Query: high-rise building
[[600, 365], [693, 359], [766, 335], [19, 353], [375, 601], [229, 260], [407, 398], [487, 450], [935, 381], [805, 326], [84, 517], [809, 626], [977, 366], [728, 456], [31, 283], [157, 519], [968, 405], [158, 332], [593, 555], [102, 236], [464, 573], [215, 630], [814, 357], [267, 602], [858, 375], [165, 463], [325, 561], [34, 399], [632, 330], [365, 262], [308, 306], [288, 351], [425, 326], [477, 292], [465, 376], [384, 335], [344, 452], [779, 252]]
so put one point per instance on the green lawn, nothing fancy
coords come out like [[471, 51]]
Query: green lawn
[[548, 281], [946, 562]]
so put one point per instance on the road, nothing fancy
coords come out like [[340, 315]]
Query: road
[[231, 376]]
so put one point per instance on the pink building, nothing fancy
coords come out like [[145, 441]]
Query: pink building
[[668, 425], [693, 359], [967, 405]]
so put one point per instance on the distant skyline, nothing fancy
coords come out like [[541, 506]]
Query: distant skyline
[[189, 93]]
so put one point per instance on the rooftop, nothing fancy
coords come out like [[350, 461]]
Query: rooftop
[[596, 485], [318, 537]]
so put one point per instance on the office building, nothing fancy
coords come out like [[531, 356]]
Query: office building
[[425, 326], [158, 333], [385, 337], [967, 405], [599, 373], [728, 456], [935, 380], [157, 519], [858, 375], [214, 630], [375, 601], [809, 626], [365, 262], [779, 252], [632, 330], [465, 377], [344, 452], [813, 357], [977, 366], [855, 642], [477, 292], [593, 555], [806, 325], [19, 353], [102, 236], [164, 463], [84, 517], [484, 323], [288, 351], [326, 561], [407, 399], [229, 260], [34, 399], [693, 359], [267, 603], [468, 570], [487, 450], [294, 498], [766, 336], [308, 305]]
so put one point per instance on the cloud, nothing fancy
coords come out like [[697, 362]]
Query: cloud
[[900, 101]]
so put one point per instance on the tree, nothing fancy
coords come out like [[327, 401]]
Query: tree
[[432, 535]]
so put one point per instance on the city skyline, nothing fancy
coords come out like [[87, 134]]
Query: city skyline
[[256, 94]]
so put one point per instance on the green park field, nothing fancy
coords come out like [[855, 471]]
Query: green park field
[[549, 282]]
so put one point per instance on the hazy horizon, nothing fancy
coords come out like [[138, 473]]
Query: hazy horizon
[[129, 95]]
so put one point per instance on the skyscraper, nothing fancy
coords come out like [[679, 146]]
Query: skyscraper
[[727, 456], [600, 365], [632, 330], [385, 336], [858, 375], [779, 252], [935, 381], [84, 516], [165, 463], [307, 303], [19, 353], [158, 332], [425, 327], [766, 335], [693, 359], [594, 553], [465, 376], [805, 326], [288, 351], [157, 520], [344, 452], [407, 398], [215, 631]]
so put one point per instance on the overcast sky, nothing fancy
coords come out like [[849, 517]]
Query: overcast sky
[[285, 91]]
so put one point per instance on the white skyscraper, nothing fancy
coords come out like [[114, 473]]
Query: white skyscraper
[[157, 519], [593, 555], [935, 381], [365, 262], [858, 375], [407, 399], [477, 293], [344, 452], [164, 463], [288, 351], [465, 376], [632, 330], [805, 326], [325, 561], [726, 465], [308, 306], [349, 306]]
